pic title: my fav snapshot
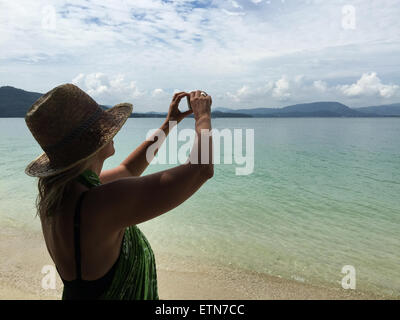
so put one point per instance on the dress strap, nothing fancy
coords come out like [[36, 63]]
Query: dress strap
[[77, 237]]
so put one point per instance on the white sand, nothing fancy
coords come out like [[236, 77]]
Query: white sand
[[24, 256]]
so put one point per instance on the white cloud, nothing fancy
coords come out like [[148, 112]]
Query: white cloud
[[240, 94], [232, 13], [78, 79], [108, 89], [281, 89], [243, 91], [369, 85], [157, 92], [299, 79], [320, 85], [300, 89], [236, 5], [278, 90]]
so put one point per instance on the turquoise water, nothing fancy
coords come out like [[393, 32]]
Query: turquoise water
[[324, 194]]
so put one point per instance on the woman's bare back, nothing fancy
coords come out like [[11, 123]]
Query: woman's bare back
[[99, 248]]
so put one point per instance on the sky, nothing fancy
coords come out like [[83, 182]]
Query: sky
[[244, 53]]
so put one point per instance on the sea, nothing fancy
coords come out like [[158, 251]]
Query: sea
[[320, 204]]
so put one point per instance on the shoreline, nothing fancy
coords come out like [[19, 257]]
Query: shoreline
[[223, 284], [179, 278]]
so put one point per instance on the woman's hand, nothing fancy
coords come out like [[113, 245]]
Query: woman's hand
[[201, 105], [174, 114]]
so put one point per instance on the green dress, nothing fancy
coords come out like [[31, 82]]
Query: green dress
[[135, 277]]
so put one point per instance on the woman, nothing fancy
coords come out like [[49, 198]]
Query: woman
[[89, 217]]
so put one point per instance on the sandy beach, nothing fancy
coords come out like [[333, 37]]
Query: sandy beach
[[25, 255]]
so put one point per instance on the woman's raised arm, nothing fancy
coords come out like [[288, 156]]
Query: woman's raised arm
[[133, 200]]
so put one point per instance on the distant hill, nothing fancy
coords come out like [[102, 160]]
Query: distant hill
[[315, 109], [385, 110], [214, 114], [16, 102], [329, 109]]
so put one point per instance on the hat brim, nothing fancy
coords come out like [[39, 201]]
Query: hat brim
[[41, 166]]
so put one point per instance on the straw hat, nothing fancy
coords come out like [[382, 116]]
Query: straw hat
[[70, 127]]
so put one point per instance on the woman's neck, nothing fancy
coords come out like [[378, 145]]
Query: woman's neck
[[96, 168], [89, 178]]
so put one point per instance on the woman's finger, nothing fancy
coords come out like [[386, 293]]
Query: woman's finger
[[186, 113], [180, 96], [176, 94]]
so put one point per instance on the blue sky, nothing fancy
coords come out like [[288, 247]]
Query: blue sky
[[244, 53]]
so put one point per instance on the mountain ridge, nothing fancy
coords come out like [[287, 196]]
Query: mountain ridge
[[15, 103]]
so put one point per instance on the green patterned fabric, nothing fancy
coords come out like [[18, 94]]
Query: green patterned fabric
[[135, 277]]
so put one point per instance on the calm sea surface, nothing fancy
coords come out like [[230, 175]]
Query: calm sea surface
[[324, 193]]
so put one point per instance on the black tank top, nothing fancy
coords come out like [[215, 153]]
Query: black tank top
[[80, 289]]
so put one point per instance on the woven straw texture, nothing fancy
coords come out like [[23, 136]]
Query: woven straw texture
[[70, 127]]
